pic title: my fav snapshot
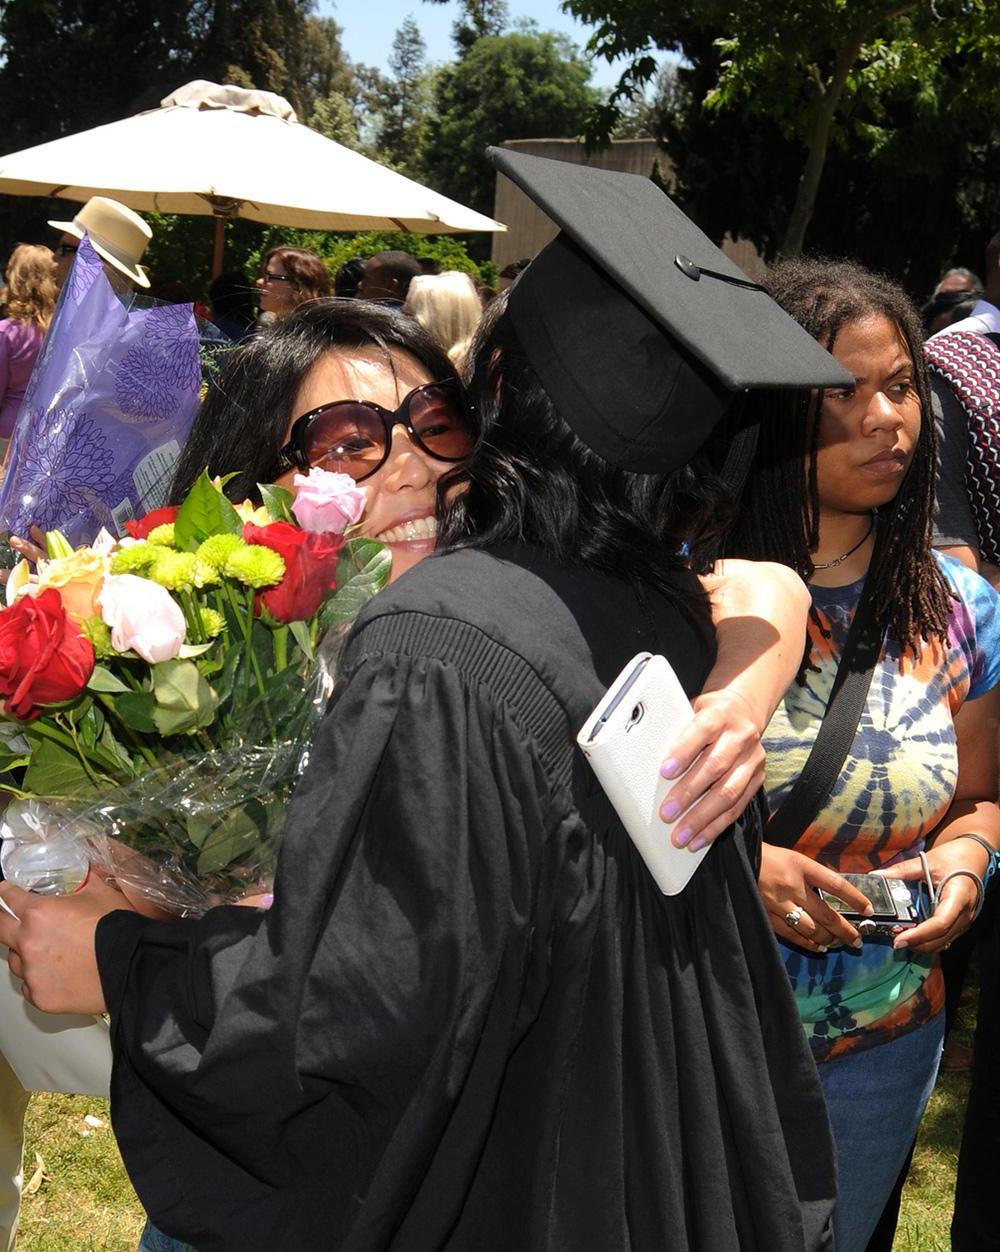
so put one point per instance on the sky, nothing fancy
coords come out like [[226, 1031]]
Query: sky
[[369, 25]]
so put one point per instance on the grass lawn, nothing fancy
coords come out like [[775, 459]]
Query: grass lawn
[[82, 1200]]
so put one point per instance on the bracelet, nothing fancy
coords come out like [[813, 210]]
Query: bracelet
[[966, 873], [993, 863]]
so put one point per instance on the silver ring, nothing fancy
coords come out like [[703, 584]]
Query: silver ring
[[793, 917]]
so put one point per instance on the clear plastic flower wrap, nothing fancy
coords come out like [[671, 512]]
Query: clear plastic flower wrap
[[197, 831]]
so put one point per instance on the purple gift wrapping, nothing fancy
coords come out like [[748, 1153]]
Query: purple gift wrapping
[[106, 412]]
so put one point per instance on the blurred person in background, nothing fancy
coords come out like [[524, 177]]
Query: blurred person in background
[[448, 306], [510, 272], [231, 298], [345, 284], [958, 279], [29, 298], [387, 277], [289, 277], [118, 236], [945, 308]]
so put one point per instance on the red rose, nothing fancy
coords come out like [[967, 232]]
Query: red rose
[[310, 568], [140, 527], [44, 658]]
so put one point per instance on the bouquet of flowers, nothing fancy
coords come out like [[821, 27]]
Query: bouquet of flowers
[[160, 691]]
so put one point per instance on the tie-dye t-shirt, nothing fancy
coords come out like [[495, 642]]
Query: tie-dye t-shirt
[[896, 785]]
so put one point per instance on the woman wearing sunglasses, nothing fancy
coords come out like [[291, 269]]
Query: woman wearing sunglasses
[[290, 277], [470, 1020]]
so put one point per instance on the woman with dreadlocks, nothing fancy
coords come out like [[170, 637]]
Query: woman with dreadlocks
[[848, 500]]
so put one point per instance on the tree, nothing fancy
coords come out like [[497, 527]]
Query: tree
[[804, 70], [401, 104], [480, 19], [523, 85]]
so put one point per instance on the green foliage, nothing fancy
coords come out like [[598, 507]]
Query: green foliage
[[400, 105], [363, 569], [204, 512], [894, 106], [519, 86]]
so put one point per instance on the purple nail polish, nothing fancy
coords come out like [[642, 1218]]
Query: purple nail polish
[[682, 836], [670, 810], [267, 899], [669, 768], [698, 844]]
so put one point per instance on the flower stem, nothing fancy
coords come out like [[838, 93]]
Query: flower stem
[[281, 648]]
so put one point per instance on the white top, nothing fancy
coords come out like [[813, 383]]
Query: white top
[[983, 320]]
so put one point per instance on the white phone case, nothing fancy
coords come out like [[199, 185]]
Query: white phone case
[[626, 754]]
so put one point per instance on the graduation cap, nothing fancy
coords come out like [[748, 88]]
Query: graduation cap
[[640, 329]]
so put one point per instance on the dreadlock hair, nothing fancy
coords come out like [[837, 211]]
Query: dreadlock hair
[[779, 514]]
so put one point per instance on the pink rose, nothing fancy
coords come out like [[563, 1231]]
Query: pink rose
[[143, 617], [327, 503]]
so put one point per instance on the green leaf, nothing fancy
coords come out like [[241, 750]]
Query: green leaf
[[184, 698], [194, 649], [89, 726], [55, 771], [205, 511], [224, 683], [104, 680], [362, 571], [135, 708], [224, 840], [300, 633], [277, 501], [11, 760]]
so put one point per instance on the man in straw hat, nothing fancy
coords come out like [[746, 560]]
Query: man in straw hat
[[118, 236]]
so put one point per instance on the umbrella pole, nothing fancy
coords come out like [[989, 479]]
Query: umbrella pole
[[220, 239]]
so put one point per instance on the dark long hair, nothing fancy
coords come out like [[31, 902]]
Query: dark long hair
[[779, 515], [307, 270], [531, 481], [242, 423]]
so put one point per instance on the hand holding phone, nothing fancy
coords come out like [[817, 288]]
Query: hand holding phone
[[625, 739]]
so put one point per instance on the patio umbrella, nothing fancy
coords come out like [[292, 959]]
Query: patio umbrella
[[228, 152]]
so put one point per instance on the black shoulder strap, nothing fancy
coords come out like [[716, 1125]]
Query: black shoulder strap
[[812, 788]]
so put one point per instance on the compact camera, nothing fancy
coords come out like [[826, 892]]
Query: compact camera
[[892, 900]]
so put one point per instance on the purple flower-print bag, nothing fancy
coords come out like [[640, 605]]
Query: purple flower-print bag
[[106, 412]]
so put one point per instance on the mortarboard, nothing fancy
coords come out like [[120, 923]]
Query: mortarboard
[[640, 329]]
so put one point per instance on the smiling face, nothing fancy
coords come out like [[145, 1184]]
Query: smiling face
[[868, 432], [401, 508]]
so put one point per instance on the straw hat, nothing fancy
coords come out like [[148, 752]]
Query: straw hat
[[116, 233]]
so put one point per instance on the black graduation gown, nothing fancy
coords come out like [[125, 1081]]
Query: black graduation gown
[[470, 1020]]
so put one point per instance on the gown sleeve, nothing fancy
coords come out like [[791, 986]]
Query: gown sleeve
[[273, 1071]]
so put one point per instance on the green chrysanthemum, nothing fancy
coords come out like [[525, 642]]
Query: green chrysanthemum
[[163, 535], [177, 571], [255, 566], [212, 623], [217, 549], [99, 634], [135, 558]]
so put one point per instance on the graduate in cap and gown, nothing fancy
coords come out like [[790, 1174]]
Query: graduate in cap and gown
[[471, 1020]]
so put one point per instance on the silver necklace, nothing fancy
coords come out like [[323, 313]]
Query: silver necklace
[[850, 551]]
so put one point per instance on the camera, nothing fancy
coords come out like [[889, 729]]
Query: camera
[[892, 900]]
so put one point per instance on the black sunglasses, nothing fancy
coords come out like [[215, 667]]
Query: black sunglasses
[[355, 436], [66, 249], [276, 278]]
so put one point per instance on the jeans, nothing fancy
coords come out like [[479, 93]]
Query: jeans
[[876, 1099], [154, 1240]]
